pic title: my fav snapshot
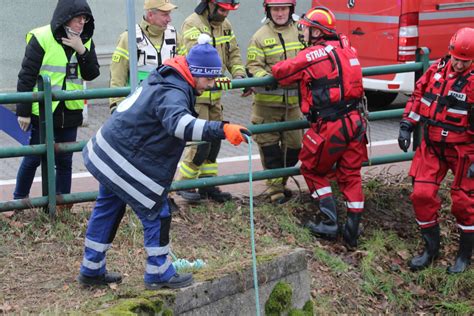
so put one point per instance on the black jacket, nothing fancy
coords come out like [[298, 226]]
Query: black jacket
[[34, 53]]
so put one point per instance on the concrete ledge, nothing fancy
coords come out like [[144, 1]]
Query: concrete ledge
[[233, 294]]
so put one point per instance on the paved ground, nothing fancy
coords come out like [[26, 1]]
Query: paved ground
[[236, 110]]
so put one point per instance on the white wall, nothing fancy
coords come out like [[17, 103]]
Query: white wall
[[20, 16]]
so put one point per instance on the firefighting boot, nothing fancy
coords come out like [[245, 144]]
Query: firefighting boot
[[463, 258], [191, 195], [276, 191], [214, 193], [351, 229], [327, 228], [431, 252]]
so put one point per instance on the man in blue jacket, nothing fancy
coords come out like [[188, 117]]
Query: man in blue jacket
[[134, 157]]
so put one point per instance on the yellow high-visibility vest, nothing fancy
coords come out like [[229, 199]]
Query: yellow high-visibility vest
[[54, 65]]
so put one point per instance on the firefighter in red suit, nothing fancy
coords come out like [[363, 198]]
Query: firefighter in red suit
[[442, 102], [330, 80]]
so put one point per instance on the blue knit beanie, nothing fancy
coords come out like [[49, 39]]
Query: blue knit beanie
[[203, 59]]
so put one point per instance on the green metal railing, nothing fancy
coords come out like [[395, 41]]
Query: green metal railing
[[47, 148]]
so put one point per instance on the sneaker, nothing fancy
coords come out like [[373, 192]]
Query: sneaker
[[190, 195], [214, 193], [107, 278], [177, 281]]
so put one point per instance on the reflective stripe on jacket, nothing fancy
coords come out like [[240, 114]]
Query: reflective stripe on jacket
[[445, 97], [138, 164], [223, 39], [269, 45], [119, 68], [54, 65]]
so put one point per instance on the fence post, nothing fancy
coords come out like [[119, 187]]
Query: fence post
[[423, 56], [46, 129]]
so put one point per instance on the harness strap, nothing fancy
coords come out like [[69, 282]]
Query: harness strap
[[445, 126], [334, 111], [449, 101]]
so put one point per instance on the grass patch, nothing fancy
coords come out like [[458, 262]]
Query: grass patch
[[40, 258], [333, 262]]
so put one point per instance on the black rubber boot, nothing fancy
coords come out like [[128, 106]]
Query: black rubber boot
[[431, 252], [463, 258], [351, 229], [107, 278], [176, 281], [214, 193], [327, 228], [190, 195]]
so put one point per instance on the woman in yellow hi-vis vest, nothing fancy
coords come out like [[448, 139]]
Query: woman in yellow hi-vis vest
[[64, 51]]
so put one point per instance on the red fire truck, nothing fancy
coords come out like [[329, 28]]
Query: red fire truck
[[389, 31]]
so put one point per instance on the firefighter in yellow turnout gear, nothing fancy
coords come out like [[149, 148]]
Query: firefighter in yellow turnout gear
[[277, 40], [200, 161], [157, 41]]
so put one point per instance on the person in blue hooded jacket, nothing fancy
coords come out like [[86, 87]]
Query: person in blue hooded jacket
[[134, 156]]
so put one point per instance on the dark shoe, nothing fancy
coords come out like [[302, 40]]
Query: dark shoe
[[351, 232], [190, 195], [463, 258], [214, 193], [176, 281], [431, 252], [324, 229], [107, 278]]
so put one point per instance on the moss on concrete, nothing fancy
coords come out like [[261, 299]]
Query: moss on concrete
[[151, 303], [279, 300], [135, 306], [307, 310]]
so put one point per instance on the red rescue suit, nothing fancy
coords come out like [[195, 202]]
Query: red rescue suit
[[331, 89], [442, 102]]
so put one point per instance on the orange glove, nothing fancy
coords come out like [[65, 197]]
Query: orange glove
[[233, 133]]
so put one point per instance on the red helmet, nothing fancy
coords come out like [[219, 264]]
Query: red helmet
[[227, 4], [278, 3], [461, 45], [321, 18]]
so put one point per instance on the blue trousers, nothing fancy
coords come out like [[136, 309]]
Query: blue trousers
[[102, 227], [27, 171]]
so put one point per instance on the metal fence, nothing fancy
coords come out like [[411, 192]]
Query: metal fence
[[47, 149]]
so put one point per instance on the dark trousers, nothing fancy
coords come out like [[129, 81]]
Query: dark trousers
[[63, 161]]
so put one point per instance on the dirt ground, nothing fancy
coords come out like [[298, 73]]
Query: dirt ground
[[40, 258]]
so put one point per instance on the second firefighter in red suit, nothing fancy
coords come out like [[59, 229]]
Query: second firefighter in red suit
[[442, 102], [330, 80]]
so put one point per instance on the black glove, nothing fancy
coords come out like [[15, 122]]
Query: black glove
[[470, 171], [404, 136]]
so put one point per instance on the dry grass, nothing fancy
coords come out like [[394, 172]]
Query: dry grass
[[39, 258]]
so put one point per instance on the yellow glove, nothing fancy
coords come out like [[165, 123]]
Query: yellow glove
[[223, 83]]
